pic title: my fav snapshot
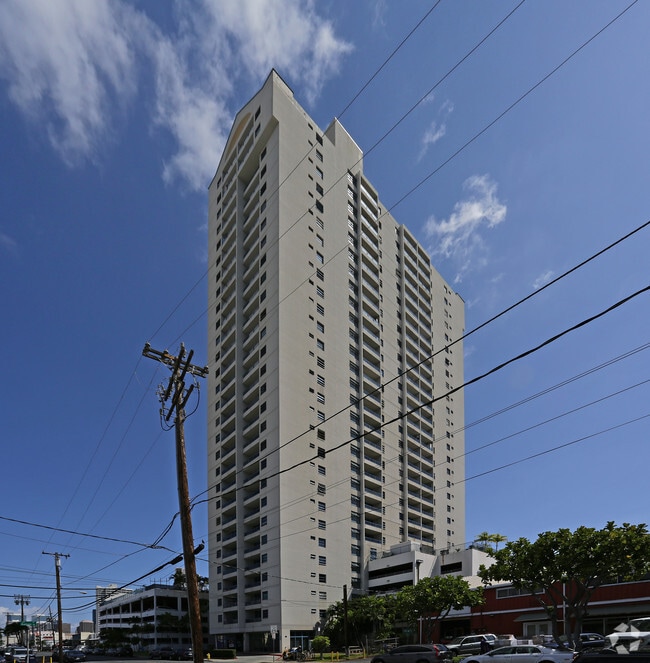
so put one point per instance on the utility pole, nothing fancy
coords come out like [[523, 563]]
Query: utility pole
[[181, 365], [22, 601], [57, 566]]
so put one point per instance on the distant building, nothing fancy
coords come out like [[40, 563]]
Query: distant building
[[506, 609], [103, 594], [85, 631], [408, 563], [511, 610], [151, 616], [330, 333]]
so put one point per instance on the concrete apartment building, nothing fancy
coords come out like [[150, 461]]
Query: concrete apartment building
[[324, 449], [154, 615]]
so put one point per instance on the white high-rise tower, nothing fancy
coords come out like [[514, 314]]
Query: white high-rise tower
[[323, 314]]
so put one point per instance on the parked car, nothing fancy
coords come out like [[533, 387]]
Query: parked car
[[414, 654], [611, 656], [589, 641], [471, 644], [19, 655], [523, 654], [186, 654], [165, 654]]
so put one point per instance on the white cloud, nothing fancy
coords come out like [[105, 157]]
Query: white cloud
[[70, 64], [286, 35], [459, 237], [437, 129], [431, 136], [379, 14], [8, 243], [543, 279], [65, 62]]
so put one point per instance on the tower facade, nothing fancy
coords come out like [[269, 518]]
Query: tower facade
[[330, 334]]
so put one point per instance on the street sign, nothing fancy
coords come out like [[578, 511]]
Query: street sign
[[28, 623]]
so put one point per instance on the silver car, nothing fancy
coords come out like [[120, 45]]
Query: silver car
[[523, 654], [414, 654], [19, 655]]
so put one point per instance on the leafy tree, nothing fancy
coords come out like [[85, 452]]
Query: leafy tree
[[113, 637], [168, 623], [367, 616], [485, 539], [178, 579], [320, 643], [15, 629], [563, 568], [435, 598]]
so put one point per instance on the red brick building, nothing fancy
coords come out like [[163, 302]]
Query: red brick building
[[506, 610]]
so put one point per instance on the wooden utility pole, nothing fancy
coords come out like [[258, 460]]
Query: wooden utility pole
[[181, 365], [57, 566]]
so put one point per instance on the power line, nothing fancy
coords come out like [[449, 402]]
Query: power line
[[466, 335], [373, 147], [129, 383], [85, 534], [509, 108], [427, 94], [556, 448], [501, 467], [454, 390], [389, 58]]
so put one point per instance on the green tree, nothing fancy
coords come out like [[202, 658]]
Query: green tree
[[179, 581], [433, 599], [113, 637], [15, 629], [563, 568], [168, 623], [497, 539], [368, 616], [485, 539], [320, 644]]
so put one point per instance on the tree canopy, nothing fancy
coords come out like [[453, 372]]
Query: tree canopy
[[433, 599], [485, 539], [375, 616], [367, 616], [320, 644], [562, 569]]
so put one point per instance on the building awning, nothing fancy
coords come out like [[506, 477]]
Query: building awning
[[595, 611], [539, 616]]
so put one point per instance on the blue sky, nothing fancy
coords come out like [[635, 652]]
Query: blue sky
[[516, 158]]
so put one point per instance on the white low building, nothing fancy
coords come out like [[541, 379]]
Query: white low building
[[151, 616]]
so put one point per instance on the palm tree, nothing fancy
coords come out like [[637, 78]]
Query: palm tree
[[484, 538], [178, 578]]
